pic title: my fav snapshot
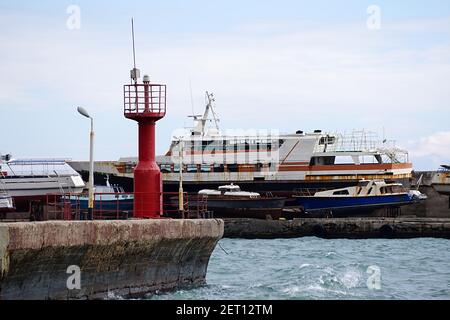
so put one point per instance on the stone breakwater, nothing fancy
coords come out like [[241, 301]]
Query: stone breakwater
[[351, 228], [121, 258]]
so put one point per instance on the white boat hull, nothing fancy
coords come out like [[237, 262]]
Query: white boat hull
[[6, 204]]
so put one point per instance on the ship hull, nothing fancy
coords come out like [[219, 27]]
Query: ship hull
[[104, 205], [442, 188], [256, 208], [351, 204], [23, 191]]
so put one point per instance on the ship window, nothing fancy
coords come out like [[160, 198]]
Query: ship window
[[315, 161], [165, 168], [233, 167], [205, 168], [370, 190], [398, 189], [341, 192], [191, 168], [129, 168], [344, 160], [206, 144], [219, 168], [327, 140], [364, 183]]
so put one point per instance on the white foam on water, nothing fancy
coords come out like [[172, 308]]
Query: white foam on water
[[113, 296], [351, 278]]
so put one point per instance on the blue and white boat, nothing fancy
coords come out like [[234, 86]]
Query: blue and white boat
[[106, 198], [367, 195]]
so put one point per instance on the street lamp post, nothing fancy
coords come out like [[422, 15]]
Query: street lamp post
[[180, 188], [84, 113]]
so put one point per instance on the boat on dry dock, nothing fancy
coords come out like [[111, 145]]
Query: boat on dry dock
[[108, 198], [26, 180], [365, 197], [229, 201]]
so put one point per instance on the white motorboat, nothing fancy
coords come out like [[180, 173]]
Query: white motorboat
[[32, 179]]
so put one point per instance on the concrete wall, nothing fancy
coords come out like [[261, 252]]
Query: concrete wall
[[125, 258], [352, 228], [436, 205]]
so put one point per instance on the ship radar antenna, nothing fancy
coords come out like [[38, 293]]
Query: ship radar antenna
[[210, 106], [135, 73]]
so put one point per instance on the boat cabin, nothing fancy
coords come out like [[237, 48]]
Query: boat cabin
[[229, 190], [365, 188]]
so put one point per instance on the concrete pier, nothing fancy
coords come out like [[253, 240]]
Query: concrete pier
[[123, 258], [351, 228]]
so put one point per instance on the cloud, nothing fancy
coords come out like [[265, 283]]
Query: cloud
[[435, 145], [429, 152]]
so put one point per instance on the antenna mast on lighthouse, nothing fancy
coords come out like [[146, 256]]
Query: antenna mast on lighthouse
[[135, 73]]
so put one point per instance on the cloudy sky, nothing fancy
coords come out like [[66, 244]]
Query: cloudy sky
[[283, 65]]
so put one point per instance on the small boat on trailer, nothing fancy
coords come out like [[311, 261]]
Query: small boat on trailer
[[365, 197], [229, 201]]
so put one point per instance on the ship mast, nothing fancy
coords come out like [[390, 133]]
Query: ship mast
[[200, 127]]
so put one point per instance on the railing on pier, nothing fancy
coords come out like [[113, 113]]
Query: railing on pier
[[118, 206]]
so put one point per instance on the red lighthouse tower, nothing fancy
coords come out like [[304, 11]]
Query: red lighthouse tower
[[146, 104]]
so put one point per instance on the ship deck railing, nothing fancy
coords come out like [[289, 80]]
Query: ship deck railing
[[308, 192]]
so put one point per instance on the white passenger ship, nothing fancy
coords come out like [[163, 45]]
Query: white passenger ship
[[282, 162]]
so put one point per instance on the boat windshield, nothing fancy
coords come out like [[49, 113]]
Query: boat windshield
[[230, 188], [363, 183]]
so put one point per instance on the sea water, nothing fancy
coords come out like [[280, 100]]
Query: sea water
[[313, 268]]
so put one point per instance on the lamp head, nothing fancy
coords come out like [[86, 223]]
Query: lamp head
[[83, 112]]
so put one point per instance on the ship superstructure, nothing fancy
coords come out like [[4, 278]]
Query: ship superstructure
[[209, 156]]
